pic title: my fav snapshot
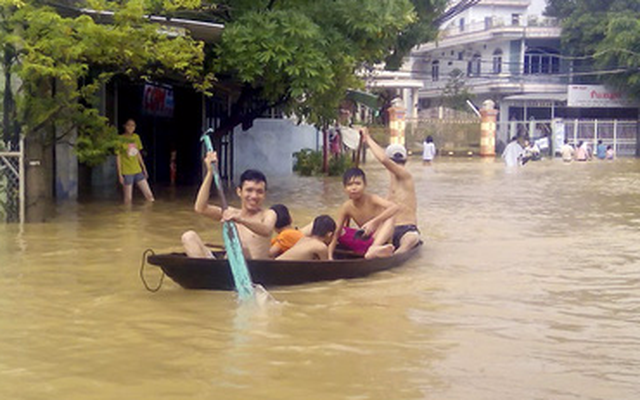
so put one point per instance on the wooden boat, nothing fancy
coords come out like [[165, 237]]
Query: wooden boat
[[199, 273]]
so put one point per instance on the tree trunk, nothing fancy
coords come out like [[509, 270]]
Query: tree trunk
[[39, 177], [9, 127], [325, 149]]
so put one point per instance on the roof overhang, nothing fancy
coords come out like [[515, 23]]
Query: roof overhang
[[368, 99], [206, 31], [558, 97]]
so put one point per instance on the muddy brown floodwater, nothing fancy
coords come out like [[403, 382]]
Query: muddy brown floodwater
[[527, 288]]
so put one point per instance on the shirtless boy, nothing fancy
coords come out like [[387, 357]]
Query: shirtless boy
[[315, 246], [372, 213], [255, 225], [402, 192]]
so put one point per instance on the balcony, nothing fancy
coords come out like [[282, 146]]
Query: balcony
[[494, 28], [500, 84]]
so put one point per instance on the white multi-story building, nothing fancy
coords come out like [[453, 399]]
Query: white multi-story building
[[507, 51]]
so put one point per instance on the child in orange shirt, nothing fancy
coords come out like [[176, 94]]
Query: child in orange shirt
[[287, 234]]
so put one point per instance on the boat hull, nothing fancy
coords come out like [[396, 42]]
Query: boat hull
[[215, 274]]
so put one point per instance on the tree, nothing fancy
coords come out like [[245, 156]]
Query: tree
[[53, 67], [302, 56], [72, 57], [604, 36], [455, 93]]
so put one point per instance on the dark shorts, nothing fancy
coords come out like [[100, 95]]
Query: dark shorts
[[135, 178], [400, 230]]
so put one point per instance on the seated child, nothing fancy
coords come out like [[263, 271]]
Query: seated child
[[315, 246], [372, 213], [609, 155], [287, 235]]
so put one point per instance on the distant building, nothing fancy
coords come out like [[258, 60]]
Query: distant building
[[509, 52]]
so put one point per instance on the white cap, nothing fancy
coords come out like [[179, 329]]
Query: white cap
[[396, 152]]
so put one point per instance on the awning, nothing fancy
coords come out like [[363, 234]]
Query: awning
[[368, 99], [560, 97], [202, 30]]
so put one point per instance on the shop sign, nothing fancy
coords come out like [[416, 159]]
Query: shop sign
[[596, 96]]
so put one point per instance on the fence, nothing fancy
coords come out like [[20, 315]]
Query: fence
[[461, 136], [12, 188], [452, 136], [621, 134]]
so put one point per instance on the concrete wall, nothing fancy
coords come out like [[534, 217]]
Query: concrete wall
[[66, 169], [269, 146]]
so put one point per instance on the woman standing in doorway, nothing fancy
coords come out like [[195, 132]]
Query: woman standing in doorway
[[131, 168]]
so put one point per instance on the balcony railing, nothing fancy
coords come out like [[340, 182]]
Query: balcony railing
[[497, 81], [499, 23]]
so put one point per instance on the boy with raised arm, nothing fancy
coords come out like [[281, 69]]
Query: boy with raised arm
[[402, 191], [255, 225], [372, 213], [315, 246]]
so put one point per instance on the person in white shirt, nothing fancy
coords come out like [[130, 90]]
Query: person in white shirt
[[512, 154], [429, 150]]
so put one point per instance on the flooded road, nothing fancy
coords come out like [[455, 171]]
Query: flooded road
[[527, 288]]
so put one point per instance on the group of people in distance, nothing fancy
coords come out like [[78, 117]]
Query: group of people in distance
[[385, 225], [584, 153], [520, 150]]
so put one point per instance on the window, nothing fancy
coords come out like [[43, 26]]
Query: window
[[474, 66], [461, 24], [541, 61], [497, 61], [488, 22], [435, 70], [515, 19]]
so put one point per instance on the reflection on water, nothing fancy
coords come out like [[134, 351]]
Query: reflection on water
[[527, 288]]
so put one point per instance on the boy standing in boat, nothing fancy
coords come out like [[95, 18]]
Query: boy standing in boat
[[255, 225], [315, 246], [372, 213], [402, 192]]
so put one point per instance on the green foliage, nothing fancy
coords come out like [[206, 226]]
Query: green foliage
[[420, 30], [339, 164], [62, 62], [302, 55], [308, 162], [606, 34]]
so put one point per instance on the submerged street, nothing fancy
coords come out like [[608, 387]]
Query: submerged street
[[526, 288]]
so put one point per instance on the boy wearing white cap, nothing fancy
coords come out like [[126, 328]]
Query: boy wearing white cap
[[402, 192]]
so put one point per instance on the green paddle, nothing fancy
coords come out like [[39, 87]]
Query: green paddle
[[241, 276]]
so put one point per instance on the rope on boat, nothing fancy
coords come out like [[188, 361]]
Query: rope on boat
[[145, 254]]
